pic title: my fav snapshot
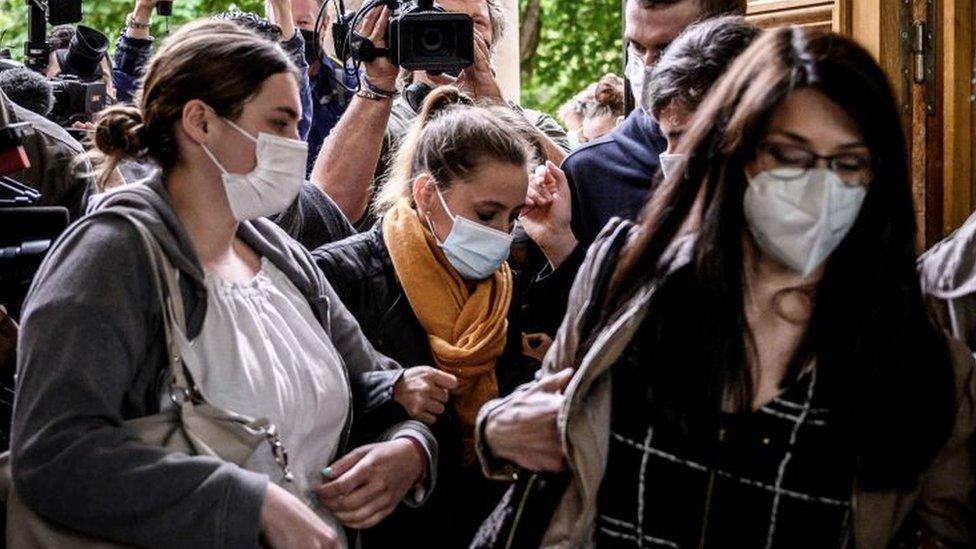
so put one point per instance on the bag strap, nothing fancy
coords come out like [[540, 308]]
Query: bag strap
[[183, 391]]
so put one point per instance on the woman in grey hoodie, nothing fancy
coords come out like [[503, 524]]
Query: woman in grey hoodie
[[266, 335]]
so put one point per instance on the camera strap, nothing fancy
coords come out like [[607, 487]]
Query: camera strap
[[364, 49]]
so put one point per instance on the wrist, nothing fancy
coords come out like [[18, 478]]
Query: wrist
[[558, 247], [492, 439], [142, 13], [421, 454], [385, 83]]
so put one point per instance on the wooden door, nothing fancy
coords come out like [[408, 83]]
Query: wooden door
[[927, 49], [821, 14]]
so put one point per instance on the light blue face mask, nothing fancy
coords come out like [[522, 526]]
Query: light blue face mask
[[475, 251]]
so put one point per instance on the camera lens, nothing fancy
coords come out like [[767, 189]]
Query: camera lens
[[432, 40]]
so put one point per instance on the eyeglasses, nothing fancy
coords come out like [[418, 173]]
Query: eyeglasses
[[790, 162]]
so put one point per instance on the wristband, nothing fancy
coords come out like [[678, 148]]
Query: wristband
[[132, 23], [366, 94], [387, 94]]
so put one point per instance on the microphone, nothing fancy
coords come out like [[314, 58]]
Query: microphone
[[28, 89], [164, 8], [13, 157]]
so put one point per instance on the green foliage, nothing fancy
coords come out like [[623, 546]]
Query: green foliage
[[108, 16], [580, 41]]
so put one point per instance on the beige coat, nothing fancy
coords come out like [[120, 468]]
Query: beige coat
[[940, 497]]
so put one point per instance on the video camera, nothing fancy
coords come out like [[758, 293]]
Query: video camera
[[79, 91], [420, 37]]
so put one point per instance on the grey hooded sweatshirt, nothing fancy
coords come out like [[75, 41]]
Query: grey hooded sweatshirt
[[91, 355]]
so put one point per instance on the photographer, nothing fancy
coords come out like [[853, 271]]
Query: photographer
[[59, 42], [331, 82], [375, 123], [57, 168], [134, 47]]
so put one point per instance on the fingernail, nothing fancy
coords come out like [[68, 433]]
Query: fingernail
[[327, 472]]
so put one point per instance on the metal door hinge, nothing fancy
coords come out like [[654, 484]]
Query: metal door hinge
[[972, 83], [918, 55]]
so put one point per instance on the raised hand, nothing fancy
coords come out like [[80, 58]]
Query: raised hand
[[548, 213]]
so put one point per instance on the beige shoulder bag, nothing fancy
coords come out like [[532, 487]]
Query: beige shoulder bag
[[192, 426]]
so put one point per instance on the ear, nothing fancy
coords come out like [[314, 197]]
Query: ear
[[423, 193], [198, 122]]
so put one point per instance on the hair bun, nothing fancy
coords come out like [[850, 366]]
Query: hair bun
[[609, 92], [441, 99], [117, 131]]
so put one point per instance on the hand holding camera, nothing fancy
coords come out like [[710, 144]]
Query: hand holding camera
[[419, 37], [479, 79], [380, 72]]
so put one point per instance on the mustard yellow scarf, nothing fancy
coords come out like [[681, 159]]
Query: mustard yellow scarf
[[466, 328]]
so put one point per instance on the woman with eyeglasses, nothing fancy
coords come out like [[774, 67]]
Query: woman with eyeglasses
[[752, 365]]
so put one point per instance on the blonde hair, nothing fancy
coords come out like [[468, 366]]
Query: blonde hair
[[450, 138]]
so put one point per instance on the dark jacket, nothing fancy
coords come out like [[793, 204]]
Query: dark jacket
[[91, 355], [58, 170], [612, 176], [361, 271]]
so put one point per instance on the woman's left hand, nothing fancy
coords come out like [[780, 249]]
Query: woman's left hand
[[367, 484], [548, 213]]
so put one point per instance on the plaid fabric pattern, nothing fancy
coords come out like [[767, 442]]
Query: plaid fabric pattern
[[779, 479]]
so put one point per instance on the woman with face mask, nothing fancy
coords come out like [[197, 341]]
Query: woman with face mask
[[430, 285], [265, 336], [752, 365]]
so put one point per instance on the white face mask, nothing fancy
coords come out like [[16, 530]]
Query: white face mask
[[801, 221], [669, 162], [635, 72], [275, 181], [574, 140], [475, 251]]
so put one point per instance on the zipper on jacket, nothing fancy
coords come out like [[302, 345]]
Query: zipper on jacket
[[709, 491], [518, 511]]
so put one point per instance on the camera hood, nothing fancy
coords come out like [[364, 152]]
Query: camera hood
[[84, 54]]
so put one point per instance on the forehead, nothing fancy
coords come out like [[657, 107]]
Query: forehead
[[812, 115], [674, 115], [659, 25], [496, 181], [470, 7], [279, 90]]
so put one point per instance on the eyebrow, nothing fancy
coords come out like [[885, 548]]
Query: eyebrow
[[799, 138], [289, 111], [492, 204]]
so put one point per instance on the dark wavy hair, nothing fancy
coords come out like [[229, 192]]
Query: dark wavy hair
[[696, 59], [882, 365]]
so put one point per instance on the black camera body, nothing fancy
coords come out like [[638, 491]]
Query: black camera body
[[420, 37], [76, 100], [428, 38]]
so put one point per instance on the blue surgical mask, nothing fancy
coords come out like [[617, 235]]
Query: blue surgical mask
[[475, 251]]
